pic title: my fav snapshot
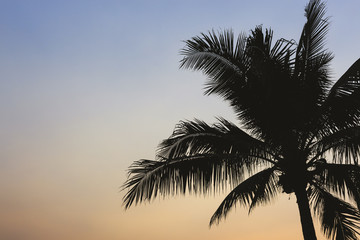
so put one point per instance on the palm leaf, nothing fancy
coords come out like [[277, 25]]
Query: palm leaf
[[343, 103], [344, 145], [342, 179], [196, 137], [196, 174], [339, 220], [340, 110], [312, 40], [223, 61], [260, 188], [196, 158], [311, 58]]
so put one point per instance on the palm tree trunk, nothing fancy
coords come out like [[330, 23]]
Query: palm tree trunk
[[305, 215]]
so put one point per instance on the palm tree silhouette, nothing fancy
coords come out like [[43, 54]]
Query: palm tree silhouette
[[300, 132]]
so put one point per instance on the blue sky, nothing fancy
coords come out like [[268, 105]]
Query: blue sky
[[87, 87]]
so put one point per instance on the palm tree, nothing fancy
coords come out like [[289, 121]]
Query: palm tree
[[300, 132]]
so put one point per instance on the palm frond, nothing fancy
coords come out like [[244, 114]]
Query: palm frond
[[312, 60], [196, 137], [219, 58], [312, 40], [283, 52], [341, 108], [342, 179], [200, 173], [342, 105], [197, 158], [260, 188], [348, 82], [339, 220], [259, 48], [344, 145]]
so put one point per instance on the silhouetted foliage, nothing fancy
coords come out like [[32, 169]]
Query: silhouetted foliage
[[301, 132]]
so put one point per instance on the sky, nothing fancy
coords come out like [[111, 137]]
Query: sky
[[88, 87]]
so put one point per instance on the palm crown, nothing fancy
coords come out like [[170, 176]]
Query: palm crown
[[300, 132]]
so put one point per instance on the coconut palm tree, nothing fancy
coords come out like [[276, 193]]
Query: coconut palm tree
[[299, 131]]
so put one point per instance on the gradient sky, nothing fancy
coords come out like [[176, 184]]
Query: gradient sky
[[87, 87]]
